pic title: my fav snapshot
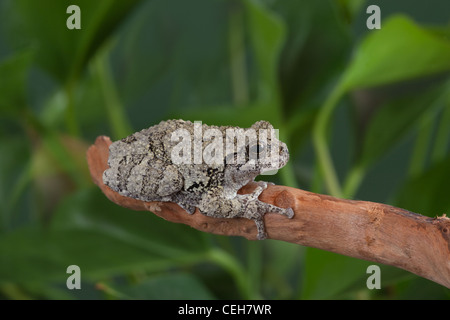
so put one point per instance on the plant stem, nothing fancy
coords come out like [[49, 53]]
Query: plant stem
[[110, 292], [316, 181], [13, 291], [237, 57], [321, 145], [353, 180], [287, 175], [71, 121], [419, 155], [228, 262], [442, 135], [254, 265], [117, 118]]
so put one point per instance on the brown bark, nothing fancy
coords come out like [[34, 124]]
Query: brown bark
[[360, 229]]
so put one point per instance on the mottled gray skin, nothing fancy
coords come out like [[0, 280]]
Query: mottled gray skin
[[141, 167]]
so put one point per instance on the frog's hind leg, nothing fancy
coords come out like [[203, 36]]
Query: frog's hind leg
[[189, 208], [185, 202]]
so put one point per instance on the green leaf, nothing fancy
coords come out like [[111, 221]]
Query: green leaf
[[101, 238], [15, 175], [395, 119], [333, 276], [267, 33], [68, 154], [421, 289], [427, 193], [114, 109], [13, 83], [328, 275], [282, 268], [317, 46], [168, 286], [61, 51], [186, 61], [399, 50], [92, 210], [350, 8]]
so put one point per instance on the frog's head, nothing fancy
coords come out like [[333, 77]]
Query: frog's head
[[262, 152], [270, 153]]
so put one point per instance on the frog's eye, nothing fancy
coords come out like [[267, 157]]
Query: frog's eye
[[256, 149]]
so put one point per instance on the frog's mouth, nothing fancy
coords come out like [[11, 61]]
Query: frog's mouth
[[276, 162], [283, 154]]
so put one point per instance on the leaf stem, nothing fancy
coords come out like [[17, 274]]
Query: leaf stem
[[254, 267], [237, 57], [419, 155], [71, 121], [13, 291], [230, 264], [442, 135], [325, 163], [353, 180], [117, 117]]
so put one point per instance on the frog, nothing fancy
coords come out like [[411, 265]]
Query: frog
[[202, 166]]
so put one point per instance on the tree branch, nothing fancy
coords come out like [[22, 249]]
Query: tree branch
[[360, 229]]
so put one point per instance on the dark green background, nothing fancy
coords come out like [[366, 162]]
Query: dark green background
[[365, 114]]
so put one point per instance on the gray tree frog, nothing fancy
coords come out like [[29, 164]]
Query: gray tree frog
[[199, 166]]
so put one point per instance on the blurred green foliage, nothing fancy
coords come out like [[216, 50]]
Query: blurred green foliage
[[365, 114]]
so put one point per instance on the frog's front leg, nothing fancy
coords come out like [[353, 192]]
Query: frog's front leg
[[256, 209], [243, 206], [262, 185]]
